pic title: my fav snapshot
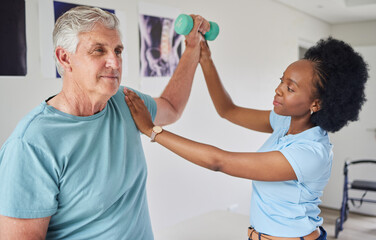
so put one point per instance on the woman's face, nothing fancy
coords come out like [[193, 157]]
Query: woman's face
[[294, 94]]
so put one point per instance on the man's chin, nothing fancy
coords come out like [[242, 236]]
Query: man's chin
[[115, 89], [111, 89]]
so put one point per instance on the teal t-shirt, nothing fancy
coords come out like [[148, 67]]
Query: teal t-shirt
[[290, 208], [87, 173]]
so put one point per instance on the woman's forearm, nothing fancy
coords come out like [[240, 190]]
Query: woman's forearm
[[221, 99], [266, 166], [201, 154], [257, 120]]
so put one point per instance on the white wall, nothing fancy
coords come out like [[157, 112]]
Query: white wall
[[258, 39], [357, 34]]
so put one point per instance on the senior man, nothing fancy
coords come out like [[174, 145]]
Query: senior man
[[74, 167]]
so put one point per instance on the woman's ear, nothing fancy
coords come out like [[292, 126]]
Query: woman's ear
[[316, 106], [63, 57]]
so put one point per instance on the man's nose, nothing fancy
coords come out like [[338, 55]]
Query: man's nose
[[113, 61]]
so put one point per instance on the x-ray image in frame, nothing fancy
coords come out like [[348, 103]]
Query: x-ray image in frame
[[51, 11], [160, 46]]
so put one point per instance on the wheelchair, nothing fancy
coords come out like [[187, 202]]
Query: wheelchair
[[353, 185]]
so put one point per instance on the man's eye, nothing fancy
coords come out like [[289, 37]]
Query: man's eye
[[289, 89], [100, 50], [118, 52]]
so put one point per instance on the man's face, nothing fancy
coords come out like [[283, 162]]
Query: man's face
[[97, 63]]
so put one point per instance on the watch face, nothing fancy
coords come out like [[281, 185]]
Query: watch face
[[157, 129]]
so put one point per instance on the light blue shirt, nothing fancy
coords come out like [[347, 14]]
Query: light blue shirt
[[290, 208], [88, 173]]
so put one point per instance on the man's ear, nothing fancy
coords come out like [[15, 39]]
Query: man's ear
[[63, 57], [316, 106]]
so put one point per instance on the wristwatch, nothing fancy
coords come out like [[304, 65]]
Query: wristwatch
[[155, 132]]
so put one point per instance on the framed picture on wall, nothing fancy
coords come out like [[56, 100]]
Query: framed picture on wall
[[52, 10], [160, 46], [13, 38]]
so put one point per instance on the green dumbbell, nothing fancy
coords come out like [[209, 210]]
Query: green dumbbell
[[184, 25]]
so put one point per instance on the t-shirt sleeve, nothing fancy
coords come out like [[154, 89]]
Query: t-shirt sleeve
[[310, 161], [28, 181], [149, 102]]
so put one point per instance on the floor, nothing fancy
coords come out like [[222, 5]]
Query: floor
[[212, 225], [357, 226], [215, 225]]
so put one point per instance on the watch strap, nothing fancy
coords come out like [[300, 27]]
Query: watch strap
[[153, 135], [155, 131]]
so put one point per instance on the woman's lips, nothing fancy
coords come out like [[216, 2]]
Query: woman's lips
[[276, 103]]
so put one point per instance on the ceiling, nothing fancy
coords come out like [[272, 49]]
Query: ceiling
[[336, 11]]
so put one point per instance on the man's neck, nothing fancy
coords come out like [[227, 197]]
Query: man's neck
[[76, 102]]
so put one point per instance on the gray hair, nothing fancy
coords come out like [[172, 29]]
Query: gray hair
[[75, 21]]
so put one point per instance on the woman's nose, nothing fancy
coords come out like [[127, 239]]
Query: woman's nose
[[278, 90]]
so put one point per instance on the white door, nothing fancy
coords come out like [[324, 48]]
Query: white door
[[356, 141]]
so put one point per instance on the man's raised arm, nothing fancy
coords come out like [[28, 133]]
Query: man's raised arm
[[171, 103]]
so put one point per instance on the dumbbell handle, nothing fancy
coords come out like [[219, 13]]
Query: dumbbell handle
[[184, 25]]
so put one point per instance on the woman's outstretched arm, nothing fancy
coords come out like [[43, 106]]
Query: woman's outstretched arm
[[268, 166], [257, 120]]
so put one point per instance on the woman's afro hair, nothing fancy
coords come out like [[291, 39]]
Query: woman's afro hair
[[341, 74]]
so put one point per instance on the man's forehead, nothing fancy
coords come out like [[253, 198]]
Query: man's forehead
[[101, 37], [99, 44]]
